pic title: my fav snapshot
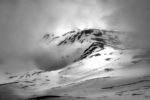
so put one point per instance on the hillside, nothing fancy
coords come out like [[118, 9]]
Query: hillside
[[93, 64]]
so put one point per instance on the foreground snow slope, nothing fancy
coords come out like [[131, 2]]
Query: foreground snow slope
[[96, 65]]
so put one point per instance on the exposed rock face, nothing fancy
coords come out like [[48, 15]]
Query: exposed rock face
[[101, 37]]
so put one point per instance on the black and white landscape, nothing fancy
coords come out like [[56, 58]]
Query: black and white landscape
[[98, 66], [74, 50]]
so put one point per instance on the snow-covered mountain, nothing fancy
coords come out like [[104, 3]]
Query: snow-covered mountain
[[76, 45], [91, 64]]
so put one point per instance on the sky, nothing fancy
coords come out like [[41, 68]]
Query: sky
[[24, 22]]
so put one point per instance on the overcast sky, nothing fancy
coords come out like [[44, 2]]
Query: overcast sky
[[23, 22]]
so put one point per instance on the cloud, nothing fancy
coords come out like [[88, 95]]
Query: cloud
[[24, 22], [134, 16]]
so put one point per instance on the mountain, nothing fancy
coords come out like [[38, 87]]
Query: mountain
[[90, 64], [75, 46]]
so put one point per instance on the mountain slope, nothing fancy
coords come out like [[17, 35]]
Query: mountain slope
[[93, 64]]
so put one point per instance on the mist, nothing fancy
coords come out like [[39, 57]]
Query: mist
[[24, 22], [133, 16]]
